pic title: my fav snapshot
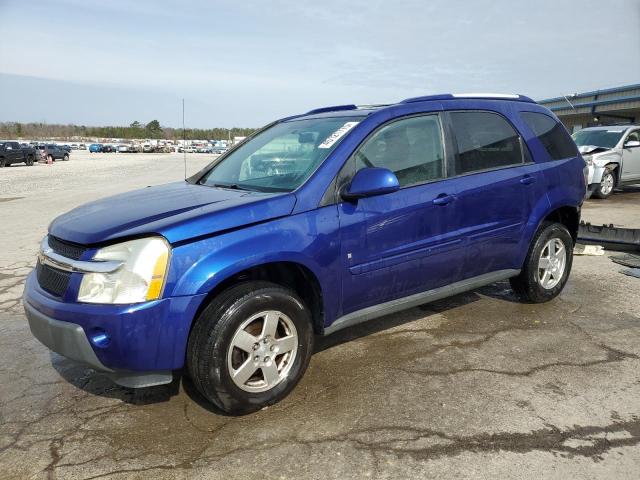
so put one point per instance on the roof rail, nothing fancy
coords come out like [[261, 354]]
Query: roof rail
[[451, 96], [335, 108]]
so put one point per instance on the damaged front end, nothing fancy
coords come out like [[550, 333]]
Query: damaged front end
[[597, 160]]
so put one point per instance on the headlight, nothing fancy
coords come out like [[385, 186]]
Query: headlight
[[141, 277]]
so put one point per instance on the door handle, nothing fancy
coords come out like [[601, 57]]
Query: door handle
[[527, 180], [443, 199]]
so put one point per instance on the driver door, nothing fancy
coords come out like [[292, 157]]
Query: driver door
[[409, 241]]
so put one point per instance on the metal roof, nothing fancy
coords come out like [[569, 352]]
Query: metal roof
[[603, 91]]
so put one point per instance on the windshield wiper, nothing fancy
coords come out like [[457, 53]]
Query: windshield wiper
[[231, 186]]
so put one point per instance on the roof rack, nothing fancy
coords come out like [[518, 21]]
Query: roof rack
[[451, 96], [335, 108]]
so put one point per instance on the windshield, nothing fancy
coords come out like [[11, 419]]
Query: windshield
[[282, 157], [598, 138]]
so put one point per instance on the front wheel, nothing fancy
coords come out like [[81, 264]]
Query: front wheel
[[250, 346], [547, 266], [607, 183], [65, 158]]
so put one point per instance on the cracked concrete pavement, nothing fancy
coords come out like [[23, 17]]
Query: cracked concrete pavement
[[475, 386]]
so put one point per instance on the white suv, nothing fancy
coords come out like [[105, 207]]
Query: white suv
[[613, 156]]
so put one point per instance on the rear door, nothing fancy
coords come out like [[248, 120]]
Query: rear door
[[405, 242], [631, 157], [497, 191]]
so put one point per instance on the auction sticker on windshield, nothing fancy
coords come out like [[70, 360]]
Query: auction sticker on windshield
[[335, 136]]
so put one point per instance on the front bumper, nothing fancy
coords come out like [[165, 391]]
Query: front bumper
[[65, 338], [137, 345]]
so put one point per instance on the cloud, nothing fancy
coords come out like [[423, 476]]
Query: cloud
[[251, 61]]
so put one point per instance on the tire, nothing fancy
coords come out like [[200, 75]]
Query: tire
[[50, 158], [607, 183], [29, 161], [212, 355], [529, 285], [65, 158], [3, 163]]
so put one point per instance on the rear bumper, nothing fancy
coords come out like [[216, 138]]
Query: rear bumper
[[122, 340]]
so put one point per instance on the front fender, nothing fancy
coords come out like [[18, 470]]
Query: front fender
[[601, 162], [309, 239]]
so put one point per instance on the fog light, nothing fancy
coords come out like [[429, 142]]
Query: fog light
[[100, 339]]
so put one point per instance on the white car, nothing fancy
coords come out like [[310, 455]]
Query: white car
[[612, 155]]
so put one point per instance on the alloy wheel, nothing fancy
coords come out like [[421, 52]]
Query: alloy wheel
[[552, 263], [606, 184], [262, 351]]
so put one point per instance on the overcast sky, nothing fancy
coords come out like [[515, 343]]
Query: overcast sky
[[244, 63]]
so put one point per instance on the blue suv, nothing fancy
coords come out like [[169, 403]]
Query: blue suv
[[317, 222]]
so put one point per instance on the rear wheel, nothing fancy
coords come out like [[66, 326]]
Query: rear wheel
[[547, 266], [29, 161], [250, 346], [50, 158], [65, 158], [607, 183]]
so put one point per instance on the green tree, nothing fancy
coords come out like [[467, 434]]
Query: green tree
[[153, 129]]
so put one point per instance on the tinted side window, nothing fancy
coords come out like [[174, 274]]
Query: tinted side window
[[411, 148], [485, 140], [553, 136]]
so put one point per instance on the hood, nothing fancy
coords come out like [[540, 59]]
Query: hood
[[178, 211], [585, 149]]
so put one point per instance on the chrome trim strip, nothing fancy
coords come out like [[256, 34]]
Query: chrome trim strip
[[47, 256], [393, 306]]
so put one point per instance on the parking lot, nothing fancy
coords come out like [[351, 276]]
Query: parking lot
[[475, 386]]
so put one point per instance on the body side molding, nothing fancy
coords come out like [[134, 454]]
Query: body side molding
[[376, 311]]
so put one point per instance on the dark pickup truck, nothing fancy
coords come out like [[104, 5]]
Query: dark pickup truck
[[56, 152], [13, 152]]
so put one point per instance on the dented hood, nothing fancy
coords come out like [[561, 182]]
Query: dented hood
[[179, 211], [585, 149]]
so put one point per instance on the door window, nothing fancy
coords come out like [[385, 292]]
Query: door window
[[485, 141], [411, 148], [633, 137]]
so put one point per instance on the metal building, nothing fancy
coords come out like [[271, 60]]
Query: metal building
[[610, 106]]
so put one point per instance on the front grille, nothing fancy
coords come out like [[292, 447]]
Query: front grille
[[66, 249], [52, 280]]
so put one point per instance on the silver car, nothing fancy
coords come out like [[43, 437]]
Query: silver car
[[612, 155]]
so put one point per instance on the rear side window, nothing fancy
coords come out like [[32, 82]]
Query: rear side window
[[553, 136], [485, 141]]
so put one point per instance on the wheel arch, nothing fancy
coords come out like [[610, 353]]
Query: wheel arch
[[567, 215], [291, 274], [615, 168]]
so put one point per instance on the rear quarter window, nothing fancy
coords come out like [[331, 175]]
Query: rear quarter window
[[551, 134]]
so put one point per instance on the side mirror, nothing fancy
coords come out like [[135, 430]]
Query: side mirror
[[369, 182], [632, 144]]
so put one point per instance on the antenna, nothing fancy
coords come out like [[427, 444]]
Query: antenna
[[571, 104], [184, 142]]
